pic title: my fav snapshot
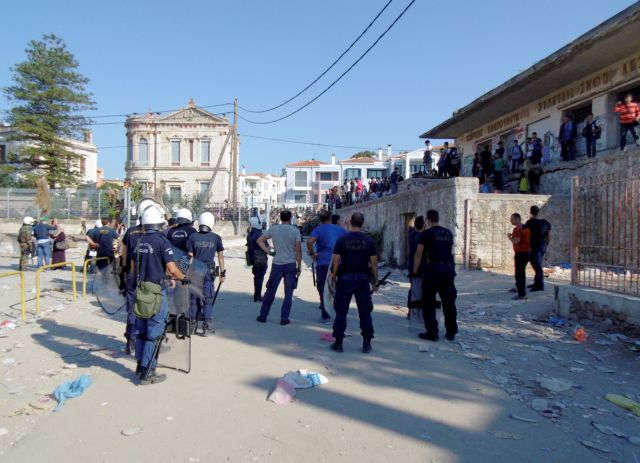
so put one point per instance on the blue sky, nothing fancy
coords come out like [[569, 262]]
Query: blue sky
[[142, 55]]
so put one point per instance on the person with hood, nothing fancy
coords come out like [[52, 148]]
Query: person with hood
[[25, 240], [257, 257]]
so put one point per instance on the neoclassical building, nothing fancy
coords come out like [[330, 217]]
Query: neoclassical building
[[186, 152]]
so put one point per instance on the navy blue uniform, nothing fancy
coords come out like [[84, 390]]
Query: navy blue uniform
[[355, 250], [204, 246], [438, 269], [258, 270], [180, 234], [104, 237], [130, 240], [150, 258]]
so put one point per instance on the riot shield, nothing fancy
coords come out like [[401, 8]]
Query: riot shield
[[175, 347], [194, 269], [108, 287]]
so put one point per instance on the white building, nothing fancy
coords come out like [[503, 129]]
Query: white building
[[259, 189], [308, 181], [186, 152], [86, 167]]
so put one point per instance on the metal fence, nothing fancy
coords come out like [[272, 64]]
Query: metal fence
[[87, 203], [606, 232]]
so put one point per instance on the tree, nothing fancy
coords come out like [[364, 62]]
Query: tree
[[364, 154], [48, 96]]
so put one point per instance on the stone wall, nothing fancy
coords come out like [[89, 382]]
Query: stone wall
[[479, 222]]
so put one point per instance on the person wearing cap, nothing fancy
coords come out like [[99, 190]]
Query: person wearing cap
[[129, 242], [257, 257], [103, 237], [151, 261], [25, 240], [204, 245], [41, 232], [179, 235]]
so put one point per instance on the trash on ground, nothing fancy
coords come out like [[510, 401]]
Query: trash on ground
[[8, 324], [556, 384], [423, 347], [9, 361], [327, 337], [580, 334], [70, 389], [593, 446], [132, 431], [608, 430], [286, 386], [622, 401], [506, 435], [521, 418]]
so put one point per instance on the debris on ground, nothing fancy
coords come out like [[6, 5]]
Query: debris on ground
[[70, 389], [594, 446], [506, 435], [132, 431], [285, 389], [624, 402]]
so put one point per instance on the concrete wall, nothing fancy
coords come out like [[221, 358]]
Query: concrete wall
[[479, 222], [578, 303]]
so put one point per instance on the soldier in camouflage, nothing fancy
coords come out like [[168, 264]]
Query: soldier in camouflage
[[25, 239]]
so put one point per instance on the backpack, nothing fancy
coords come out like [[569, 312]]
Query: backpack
[[148, 295], [524, 185]]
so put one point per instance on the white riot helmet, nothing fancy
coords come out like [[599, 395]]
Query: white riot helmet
[[143, 205], [152, 218], [255, 223], [27, 220], [98, 223], [184, 216], [206, 220]]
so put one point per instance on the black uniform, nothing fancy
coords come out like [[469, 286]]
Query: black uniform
[[438, 269], [179, 235]]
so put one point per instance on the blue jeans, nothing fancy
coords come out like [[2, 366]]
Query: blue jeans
[[148, 331], [44, 251], [591, 146], [347, 286], [279, 272], [536, 258], [321, 279], [205, 307]]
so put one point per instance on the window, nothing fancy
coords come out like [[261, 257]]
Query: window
[[376, 173], [204, 188], [351, 173], [83, 166], [175, 152], [175, 192], [326, 176], [301, 178], [143, 152], [204, 152], [300, 198], [144, 185], [190, 150], [3, 153], [129, 149]]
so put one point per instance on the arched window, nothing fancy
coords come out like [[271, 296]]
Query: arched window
[[143, 152], [129, 149]]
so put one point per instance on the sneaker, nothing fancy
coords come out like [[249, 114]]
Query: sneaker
[[284, 322], [366, 346], [429, 336], [337, 346], [152, 378], [450, 337], [262, 319], [519, 298]]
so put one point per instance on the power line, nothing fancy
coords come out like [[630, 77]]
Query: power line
[[326, 70], [335, 81], [107, 116]]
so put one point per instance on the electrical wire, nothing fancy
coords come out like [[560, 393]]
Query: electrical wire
[[335, 81], [326, 70]]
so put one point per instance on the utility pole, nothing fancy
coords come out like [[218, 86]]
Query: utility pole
[[234, 161]]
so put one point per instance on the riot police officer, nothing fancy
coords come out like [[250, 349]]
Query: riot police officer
[[179, 235], [151, 259], [434, 259], [25, 240], [129, 241], [257, 257], [103, 238], [204, 245]]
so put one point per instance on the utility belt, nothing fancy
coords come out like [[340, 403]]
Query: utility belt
[[355, 277]]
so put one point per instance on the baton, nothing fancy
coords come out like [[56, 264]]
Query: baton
[[215, 296], [383, 281], [313, 273]]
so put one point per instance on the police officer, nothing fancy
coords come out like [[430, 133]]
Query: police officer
[[25, 240], [204, 245], [354, 262], [103, 238], [129, 242], [434, 260], [257, 257], [152, 258], [179, 234]]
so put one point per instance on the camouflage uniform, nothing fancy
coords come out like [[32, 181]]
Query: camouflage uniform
[[25, 239]]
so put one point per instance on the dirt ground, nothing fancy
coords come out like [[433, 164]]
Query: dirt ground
[[468, 401]]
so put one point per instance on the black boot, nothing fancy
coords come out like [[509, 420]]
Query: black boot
[[138, 369], [207, 328], [337, 345], [366, 345], [151, 378], [131, 346]]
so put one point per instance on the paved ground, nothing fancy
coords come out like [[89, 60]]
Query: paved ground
[[450, 404]]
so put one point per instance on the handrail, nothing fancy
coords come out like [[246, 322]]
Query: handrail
[[23, 304], [44, 267], [84, 272]]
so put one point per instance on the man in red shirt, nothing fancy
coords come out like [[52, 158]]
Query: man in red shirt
[[520, 237], [629, 114]]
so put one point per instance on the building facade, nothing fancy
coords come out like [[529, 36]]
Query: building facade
[[589, 75], [86, 167], [184, 153], [259, 189]]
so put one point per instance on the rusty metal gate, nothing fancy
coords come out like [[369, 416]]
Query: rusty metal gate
[[605, 250]]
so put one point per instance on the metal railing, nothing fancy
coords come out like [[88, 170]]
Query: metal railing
[[85, 265], [81, 203], [605, 251], [23, 305], [44, 267]]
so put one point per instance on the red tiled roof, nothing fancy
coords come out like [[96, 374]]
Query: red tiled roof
[[359, 161], [309, 163]]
